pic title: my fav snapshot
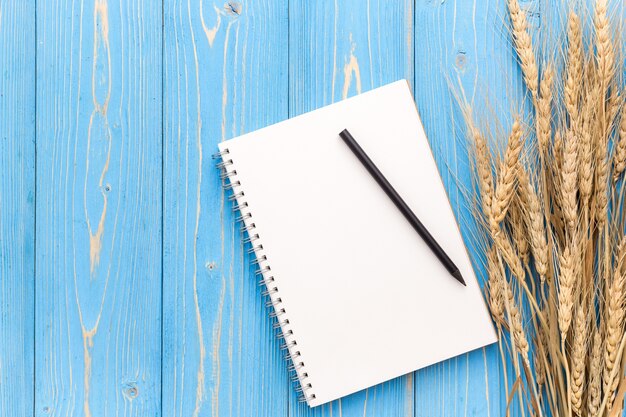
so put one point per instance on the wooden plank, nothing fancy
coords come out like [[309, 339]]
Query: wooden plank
[[463, 53], [98, 263], [338, 49], [17, 206], [225, 74]]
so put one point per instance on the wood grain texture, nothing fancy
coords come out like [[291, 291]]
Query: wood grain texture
[[225, 74], [338, 49], [17, 206], [98, 262]]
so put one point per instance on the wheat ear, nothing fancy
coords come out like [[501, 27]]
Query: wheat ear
[[542, 351], [569, 171], [605, 66], [536, 226], [515, 323], [612, 108], [494, 285], [567, 280], [594, 390], [614, 321], [483, 166], [505, 248], [519, 229], [602, 173], [523, 46], [557, 153], [507, 177], [573, 79], [602, 168], [579, 358], [604, 45], [619, 159], [544, 110], [585, 161]]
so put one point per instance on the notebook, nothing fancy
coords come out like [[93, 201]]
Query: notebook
[[359, 297]]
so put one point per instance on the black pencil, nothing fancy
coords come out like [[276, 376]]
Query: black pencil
[[402, 206]]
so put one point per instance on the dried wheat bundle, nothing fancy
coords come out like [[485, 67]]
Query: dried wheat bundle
[[551, 206]]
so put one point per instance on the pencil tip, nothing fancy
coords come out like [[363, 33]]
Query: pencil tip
[[457, 275]]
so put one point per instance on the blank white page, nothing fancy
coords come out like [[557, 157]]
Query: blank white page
[[365, 297]]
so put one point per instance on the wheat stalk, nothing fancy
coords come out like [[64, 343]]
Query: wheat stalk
[[551, 218]]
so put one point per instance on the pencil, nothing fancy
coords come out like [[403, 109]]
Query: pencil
[[402, 206]]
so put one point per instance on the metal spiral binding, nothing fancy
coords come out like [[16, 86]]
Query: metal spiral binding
[[270, 290]]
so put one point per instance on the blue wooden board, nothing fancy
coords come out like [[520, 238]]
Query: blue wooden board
[[125, 288], [99, 209], [17, 206], [225, 73]]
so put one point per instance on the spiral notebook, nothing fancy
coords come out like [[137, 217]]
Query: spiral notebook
[[359, 297]]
